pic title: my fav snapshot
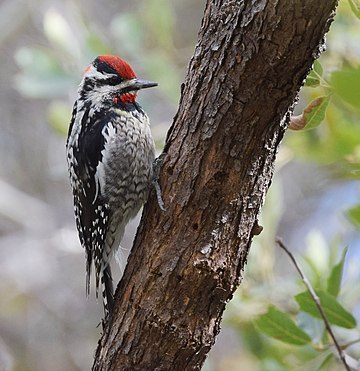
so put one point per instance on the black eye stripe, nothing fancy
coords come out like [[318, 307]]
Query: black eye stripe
[[113, 80]]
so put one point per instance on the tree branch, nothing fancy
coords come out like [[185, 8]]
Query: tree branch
[[316, 301], [248, 65]]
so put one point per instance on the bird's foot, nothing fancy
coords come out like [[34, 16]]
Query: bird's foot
[[155, 181]]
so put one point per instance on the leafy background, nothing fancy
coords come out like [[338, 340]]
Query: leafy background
[[46, 322]]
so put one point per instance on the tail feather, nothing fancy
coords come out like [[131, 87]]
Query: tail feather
[[107, 290], [88, 271]]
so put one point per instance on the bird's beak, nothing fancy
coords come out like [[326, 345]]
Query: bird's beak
[[142, 84]]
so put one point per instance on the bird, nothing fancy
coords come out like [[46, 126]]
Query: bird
[[110, 155]]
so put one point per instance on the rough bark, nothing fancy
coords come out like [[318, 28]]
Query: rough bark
[[249, 63]]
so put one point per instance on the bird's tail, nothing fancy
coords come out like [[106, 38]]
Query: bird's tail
[[107, 291]]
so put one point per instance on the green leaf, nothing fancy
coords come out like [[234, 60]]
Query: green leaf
[[346, 85], [279, 325], [355, 7], [312, 116], [354, 215], [325, 364], [334, 280], [314, 113], [318, 68], [334, 311], [312, 80]]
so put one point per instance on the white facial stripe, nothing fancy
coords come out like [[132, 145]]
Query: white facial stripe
[[126, 83]]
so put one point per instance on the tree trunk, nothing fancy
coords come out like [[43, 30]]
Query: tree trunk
[[249, 63]]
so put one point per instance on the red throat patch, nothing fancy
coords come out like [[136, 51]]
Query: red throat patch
[[125, 98], [119, 65]]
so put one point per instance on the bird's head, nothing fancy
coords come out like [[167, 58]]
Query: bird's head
[[110, 79]]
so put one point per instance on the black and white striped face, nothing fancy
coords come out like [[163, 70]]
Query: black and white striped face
[[110, 79]]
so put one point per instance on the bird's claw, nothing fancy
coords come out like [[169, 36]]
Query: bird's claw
[[156, 170]]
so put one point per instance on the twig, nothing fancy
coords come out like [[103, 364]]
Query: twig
[[317, 302]]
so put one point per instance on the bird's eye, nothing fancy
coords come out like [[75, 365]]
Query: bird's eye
[[113, 80]]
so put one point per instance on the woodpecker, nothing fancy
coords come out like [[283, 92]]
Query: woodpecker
[[110, 156]]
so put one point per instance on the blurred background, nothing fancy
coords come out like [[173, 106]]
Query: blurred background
[[46, 321]]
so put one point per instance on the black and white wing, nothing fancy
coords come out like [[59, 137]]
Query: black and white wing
[[84, 152]]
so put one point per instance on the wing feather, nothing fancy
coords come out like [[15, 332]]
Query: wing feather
[[92, 210]]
